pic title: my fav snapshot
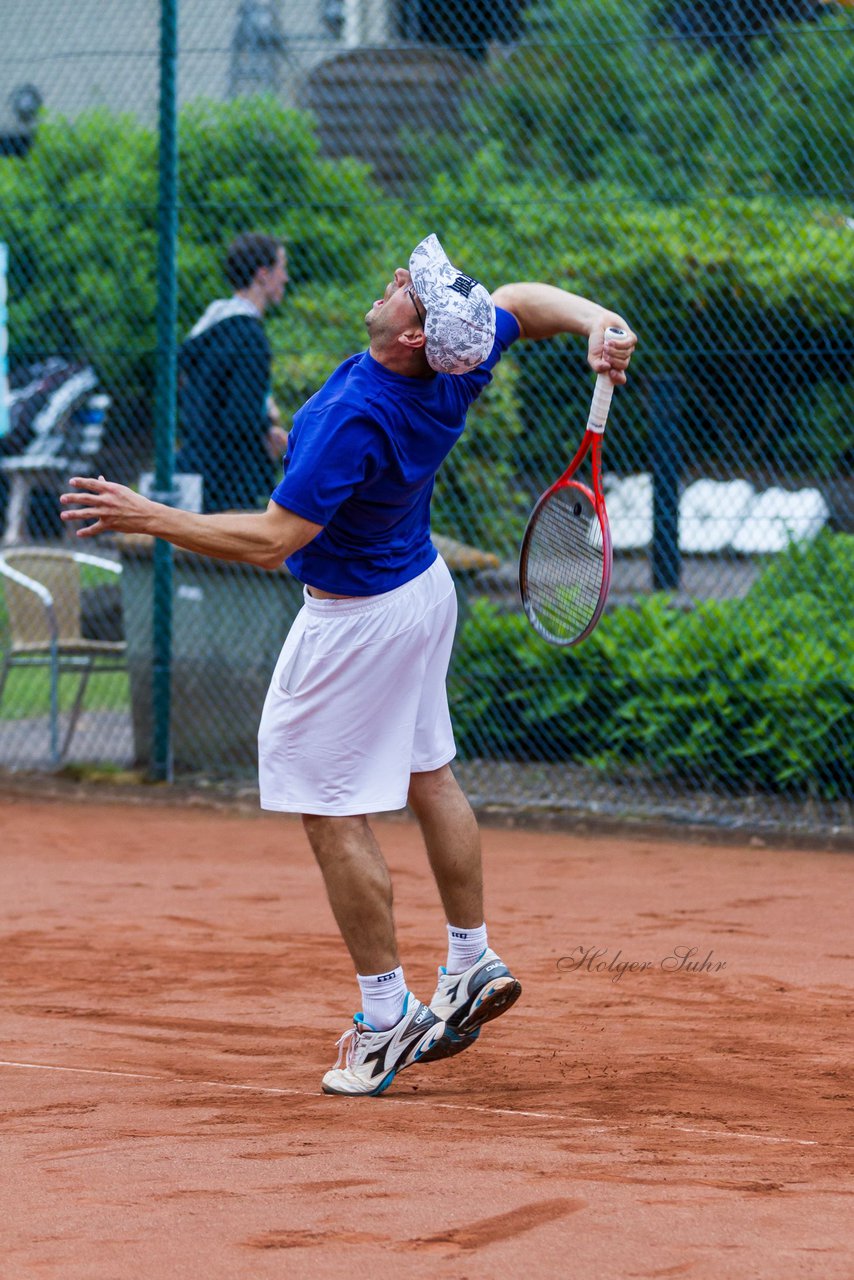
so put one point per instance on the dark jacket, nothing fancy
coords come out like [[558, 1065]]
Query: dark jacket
[[224, 370]]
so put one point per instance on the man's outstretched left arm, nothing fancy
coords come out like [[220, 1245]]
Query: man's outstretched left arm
[[263, 538]]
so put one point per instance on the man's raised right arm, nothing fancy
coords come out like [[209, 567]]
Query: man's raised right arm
[[544, 311]]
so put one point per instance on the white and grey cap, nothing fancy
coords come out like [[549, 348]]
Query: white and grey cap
[[460, 315]]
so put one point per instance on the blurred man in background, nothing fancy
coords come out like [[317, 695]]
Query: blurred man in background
[[231, 432]]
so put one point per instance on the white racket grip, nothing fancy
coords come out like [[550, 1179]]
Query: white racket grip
[[602, 392]]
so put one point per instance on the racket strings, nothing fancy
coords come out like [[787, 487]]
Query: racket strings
[[564, 570]]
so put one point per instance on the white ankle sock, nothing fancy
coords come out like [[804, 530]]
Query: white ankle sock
[[383, 995], [464, 947]]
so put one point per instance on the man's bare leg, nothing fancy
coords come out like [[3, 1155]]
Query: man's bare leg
[[453, 844], [359, 889], [486, 988]]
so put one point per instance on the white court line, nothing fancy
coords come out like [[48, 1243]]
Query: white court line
[[408, 1102], [81, 1071], [138, 1075]]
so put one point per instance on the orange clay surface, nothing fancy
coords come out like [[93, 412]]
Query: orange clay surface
[[173, 987]]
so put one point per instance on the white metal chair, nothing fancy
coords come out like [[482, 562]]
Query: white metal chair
[[42, 589]]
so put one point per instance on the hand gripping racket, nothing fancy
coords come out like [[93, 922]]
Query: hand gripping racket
[[565, 562]]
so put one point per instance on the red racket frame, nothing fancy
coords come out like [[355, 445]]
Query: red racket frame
[[592, 439], [592, 442]]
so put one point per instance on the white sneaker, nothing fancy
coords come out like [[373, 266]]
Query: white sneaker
[[368, 1060], [465, 1001]]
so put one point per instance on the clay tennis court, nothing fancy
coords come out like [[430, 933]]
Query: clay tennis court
[[172, 990]]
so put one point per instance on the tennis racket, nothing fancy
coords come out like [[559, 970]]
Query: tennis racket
[[565, 562]]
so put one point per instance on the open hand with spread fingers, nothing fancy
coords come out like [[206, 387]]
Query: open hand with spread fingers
[[111, 506]]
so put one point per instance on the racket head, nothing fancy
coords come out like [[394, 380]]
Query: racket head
[[565, 563]]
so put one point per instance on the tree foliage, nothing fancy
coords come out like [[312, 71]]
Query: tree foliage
[[747, 297], [673, 101]]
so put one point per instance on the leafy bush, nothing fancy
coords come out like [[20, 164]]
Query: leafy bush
[[736, 300], [80, 218], [748, 694], [80, 221], [563, 92], [628, 91], [804, 126], [748, 300]]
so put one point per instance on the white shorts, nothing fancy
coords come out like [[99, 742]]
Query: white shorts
[[358, 701]]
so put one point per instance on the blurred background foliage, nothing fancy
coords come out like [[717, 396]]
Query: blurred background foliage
[[688, 164], [708, 286]]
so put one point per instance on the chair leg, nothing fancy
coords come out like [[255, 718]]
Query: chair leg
[[17, 507], [78, 703]]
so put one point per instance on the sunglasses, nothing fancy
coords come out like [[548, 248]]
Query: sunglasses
[[421, 319]]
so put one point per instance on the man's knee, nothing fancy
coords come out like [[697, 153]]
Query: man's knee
[[431, 786], [327, 833]]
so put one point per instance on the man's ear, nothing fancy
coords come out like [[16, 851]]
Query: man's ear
[[413, 339]]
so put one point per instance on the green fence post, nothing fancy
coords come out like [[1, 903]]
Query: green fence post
[[164, 427]]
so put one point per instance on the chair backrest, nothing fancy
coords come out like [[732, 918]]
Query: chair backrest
[[41, 411], [60, 573]]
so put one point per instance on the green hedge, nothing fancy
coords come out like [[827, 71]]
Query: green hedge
[[749, 299], [608, 89], [751, 694], [80, 219]]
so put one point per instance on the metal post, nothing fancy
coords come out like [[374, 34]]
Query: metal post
[[164, 426], [666, 469]]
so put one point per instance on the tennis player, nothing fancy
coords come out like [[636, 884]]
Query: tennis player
[[356, 717]]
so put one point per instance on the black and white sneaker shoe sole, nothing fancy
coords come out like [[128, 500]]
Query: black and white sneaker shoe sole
[[490, 1002], [451, 1043], [493, 999]]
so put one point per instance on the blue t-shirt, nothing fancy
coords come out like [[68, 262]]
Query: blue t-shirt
[[362, 457]]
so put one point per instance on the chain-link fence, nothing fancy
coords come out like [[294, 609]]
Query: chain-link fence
[[688, 164]]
